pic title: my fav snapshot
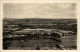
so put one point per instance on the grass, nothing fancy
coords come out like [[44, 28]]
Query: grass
[[69, 41]]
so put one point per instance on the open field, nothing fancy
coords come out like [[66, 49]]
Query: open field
[[34, 34], [44, 44]]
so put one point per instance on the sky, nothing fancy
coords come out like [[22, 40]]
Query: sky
[[40, 10]]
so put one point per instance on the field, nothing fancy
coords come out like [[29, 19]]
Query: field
[[39, 34]]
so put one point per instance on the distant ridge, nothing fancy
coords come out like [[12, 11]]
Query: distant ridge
[[30, 18], [41, 21]]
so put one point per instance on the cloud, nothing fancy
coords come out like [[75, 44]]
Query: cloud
[[40, 10]]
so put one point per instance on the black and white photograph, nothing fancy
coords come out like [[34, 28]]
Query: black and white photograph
[[39, 26]]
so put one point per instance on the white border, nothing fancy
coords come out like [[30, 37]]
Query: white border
[[40, 1]]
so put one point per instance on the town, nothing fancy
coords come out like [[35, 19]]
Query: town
[[39, 34]]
